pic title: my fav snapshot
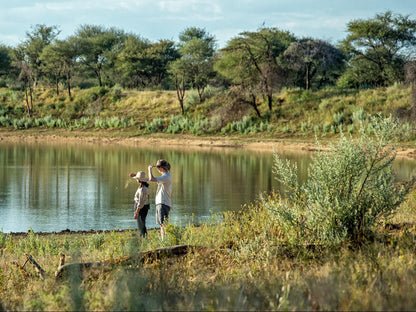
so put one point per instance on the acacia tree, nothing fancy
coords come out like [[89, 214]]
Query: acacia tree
[[261, 50], [180, 73], [376, 48], [314, 58], [25, 76], [60, 60], [161, 53], [196, 48], [236, 65], [98, 47], [5, 60], [37, 40], [27, 59], [144, 64], [130, 61]]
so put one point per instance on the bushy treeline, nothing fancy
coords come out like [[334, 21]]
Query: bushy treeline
[[253, 66]]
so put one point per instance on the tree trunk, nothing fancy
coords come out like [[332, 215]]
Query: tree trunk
[[200, 93], [180, 92], [270, 100], [68, 82], [57, 86]]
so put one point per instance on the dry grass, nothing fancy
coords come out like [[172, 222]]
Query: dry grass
[[247, 268]]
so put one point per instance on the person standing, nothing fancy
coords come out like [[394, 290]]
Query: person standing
[[163, 193], [141, 201]]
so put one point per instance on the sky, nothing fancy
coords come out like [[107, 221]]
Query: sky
[[166, 19]]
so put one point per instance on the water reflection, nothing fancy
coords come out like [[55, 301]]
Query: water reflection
[[81, 187]]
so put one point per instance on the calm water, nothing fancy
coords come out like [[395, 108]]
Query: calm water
[[82, 187]]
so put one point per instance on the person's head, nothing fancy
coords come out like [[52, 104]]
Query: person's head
[[162, 165], [141, 177]]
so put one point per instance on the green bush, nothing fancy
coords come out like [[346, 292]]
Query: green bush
[[349, 188], [156, 125]]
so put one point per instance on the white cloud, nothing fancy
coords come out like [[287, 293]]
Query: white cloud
[[159, 19], [190, 6]]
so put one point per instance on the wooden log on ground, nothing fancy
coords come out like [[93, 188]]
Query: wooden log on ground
[[38, 268], [80, 267], [178, 250], [20, 268], [151, 255]]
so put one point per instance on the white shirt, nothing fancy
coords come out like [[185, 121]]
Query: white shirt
[[164, 189]]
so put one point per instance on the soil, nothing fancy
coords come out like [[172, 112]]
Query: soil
[[103, 137]]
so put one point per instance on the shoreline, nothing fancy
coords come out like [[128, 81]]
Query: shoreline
[[169, 140], [178, 141]]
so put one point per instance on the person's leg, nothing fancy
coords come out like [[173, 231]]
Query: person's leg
[[164, 215], [141, 220], [159, 217]]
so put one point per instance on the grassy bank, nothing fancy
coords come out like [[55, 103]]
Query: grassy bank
[[245, 268], [296, 113]]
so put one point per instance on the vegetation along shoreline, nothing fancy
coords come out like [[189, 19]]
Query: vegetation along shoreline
[[266, 90]]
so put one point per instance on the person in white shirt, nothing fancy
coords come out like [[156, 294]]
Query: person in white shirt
[[163, 194], [141, 201]]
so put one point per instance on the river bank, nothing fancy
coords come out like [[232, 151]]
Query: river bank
[[111, 137]]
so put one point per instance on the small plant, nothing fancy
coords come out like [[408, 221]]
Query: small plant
[[339, 118], [156, 125], [358, 115]]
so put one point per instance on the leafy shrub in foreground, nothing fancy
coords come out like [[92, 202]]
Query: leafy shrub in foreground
[[349, 188]]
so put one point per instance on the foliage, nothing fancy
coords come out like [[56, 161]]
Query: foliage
[[377, 49], [349, 189], [319, 61]]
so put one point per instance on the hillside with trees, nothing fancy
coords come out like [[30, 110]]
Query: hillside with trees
[[267, 80]]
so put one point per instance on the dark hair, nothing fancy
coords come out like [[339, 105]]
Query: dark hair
[[163, 164]]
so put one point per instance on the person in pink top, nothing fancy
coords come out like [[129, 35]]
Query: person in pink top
[[163, 193]]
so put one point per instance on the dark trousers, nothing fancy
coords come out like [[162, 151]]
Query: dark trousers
[[141, 220]]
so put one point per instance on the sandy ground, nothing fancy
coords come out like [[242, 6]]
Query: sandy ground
[[174, 141]]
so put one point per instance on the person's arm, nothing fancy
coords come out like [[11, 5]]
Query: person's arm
[[151, 177]]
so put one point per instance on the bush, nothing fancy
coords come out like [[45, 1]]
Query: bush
[[156, 125], [348, 190]]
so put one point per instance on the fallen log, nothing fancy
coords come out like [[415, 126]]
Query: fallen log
[[80, 267], [20, 268], [143, 257], [38, 268], [178, 250]]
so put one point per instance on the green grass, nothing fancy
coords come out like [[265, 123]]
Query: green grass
[[248, 268]]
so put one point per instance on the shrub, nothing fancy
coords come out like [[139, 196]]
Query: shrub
[[349, 188], [157, 124], [339, 118], [358, 115]]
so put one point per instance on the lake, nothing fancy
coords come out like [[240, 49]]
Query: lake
[[55, 187]]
